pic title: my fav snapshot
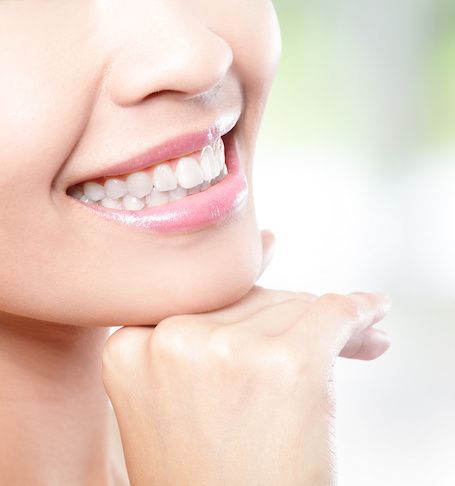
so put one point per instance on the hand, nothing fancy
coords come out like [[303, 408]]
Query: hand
[[240, 396]]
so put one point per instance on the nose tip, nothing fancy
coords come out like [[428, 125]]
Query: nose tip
[[192, 63]]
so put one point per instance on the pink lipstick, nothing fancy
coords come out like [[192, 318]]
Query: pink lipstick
[[192, 212]]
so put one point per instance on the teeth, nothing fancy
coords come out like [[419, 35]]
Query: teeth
[[224, 171], [177, 194], [189, 173], [115, 188], [168, 181], [156, 198], [94, 191], [107, 202], [133, 203], [220, 153], [76, 192], [139, 184], [209, 164], [221, 176], [165, 179]]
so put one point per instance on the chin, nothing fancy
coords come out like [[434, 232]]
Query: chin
[[196, 289], [190, 293], [198, 273]]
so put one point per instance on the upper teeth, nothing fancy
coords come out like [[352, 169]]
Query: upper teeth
[[166, 182]]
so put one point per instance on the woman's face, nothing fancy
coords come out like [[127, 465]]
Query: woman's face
[[87, 85]]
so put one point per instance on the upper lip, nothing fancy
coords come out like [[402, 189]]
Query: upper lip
[[177, 147]]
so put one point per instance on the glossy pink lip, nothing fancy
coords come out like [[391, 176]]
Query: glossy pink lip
[[192, 213]]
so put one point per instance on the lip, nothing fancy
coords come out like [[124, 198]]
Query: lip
[[173, 149], [191, 213]]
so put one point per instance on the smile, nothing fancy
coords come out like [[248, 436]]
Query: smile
[[178, 195]]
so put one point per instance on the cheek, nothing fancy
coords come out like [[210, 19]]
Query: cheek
[[46, 89], [253, 32], [45, 96]]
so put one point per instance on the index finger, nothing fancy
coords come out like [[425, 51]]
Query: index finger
[[256, 300], [334, 319]]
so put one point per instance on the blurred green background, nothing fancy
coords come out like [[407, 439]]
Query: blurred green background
[[355, 173], [348, 64]]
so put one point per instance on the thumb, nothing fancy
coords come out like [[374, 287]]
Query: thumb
[[268, 249]]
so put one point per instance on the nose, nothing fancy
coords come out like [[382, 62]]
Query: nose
[[174, 53]]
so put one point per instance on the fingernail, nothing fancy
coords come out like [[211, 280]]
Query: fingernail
[[381, 341]]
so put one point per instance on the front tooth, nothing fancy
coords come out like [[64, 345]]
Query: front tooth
[[139, 184], [156, 198], [206, 157], [189, 173], [209, 164], [178, 193], [94, 191], [133, 203], [164, 177], [115, 188], [110, 203]]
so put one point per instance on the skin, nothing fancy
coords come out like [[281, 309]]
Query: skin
[[85, 84], [242, 395], [85, 87]]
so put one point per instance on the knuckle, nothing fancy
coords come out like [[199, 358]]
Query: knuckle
[[288, 312], [114, 348], [308, 297], [221, 342], [258, 291], [228, 347], [331, 299], [265, 295], [345, 306], [168, 336], [293, 301], [120, 352], [281, 296], [272, 296]]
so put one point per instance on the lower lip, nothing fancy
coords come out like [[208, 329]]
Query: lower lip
[[191, 213]]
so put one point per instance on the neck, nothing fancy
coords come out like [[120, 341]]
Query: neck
[[55, 420]]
